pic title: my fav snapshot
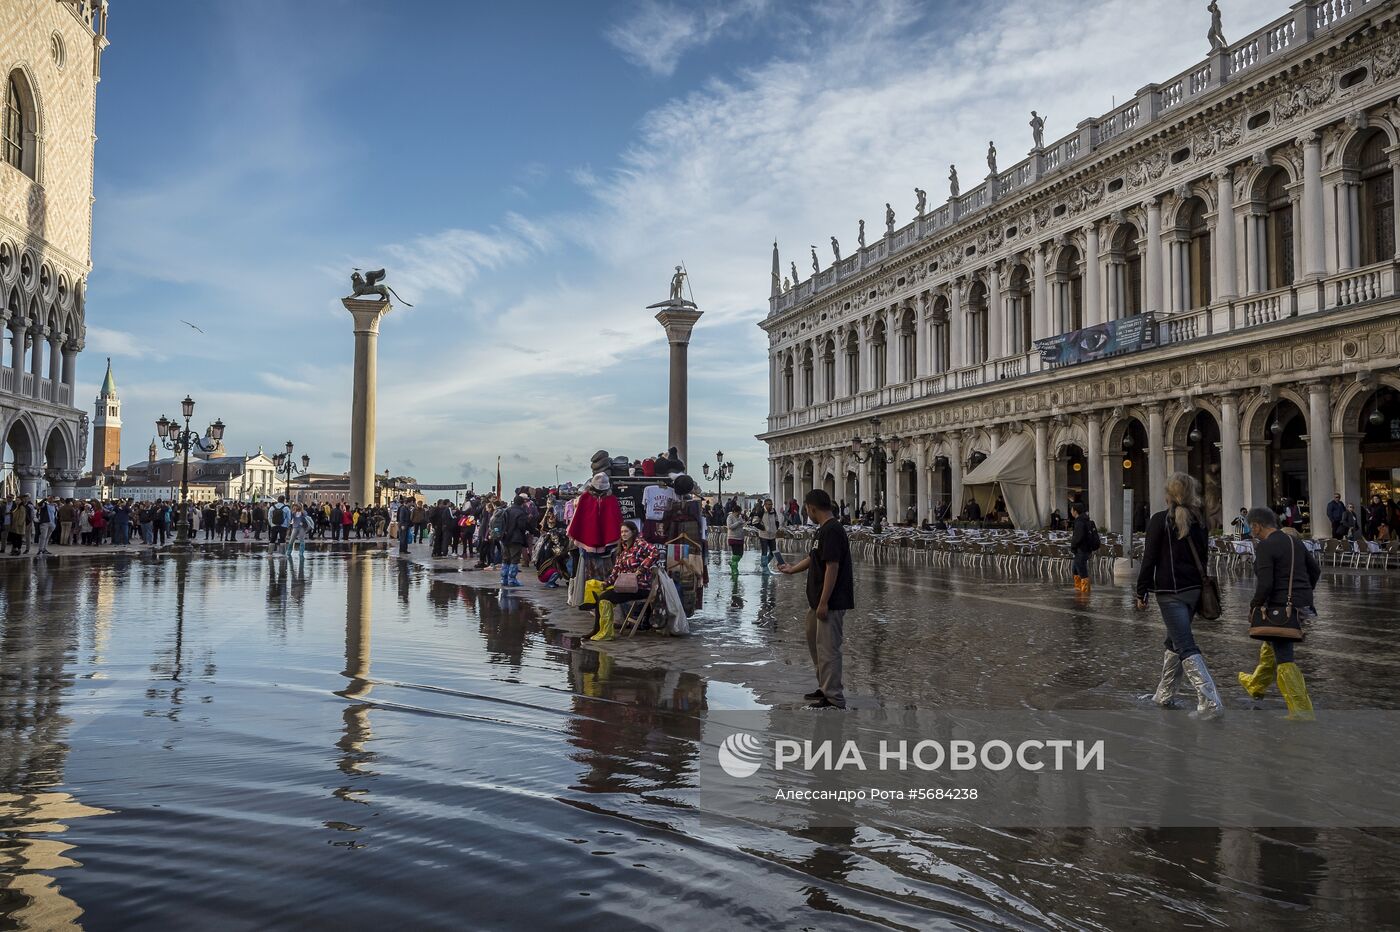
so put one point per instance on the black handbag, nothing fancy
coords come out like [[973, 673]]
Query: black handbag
[[1209, 606], [1281, 621]]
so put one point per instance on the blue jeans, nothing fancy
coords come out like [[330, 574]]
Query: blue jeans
[[1178, 608], [1283, 649], [1080, 563]]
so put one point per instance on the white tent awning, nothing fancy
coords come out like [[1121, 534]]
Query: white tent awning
[[1011, 469]]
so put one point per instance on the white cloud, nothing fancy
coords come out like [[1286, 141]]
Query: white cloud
[[656, 34], [101, 341]]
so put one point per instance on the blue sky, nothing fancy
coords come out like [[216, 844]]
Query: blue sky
[[529, 173]]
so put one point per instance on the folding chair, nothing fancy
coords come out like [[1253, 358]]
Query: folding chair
[[639, 609]]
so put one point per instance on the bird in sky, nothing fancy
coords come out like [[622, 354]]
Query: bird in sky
[[190, 325]]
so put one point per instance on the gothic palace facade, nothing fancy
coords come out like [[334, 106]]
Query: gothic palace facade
[[50, 52], [1203, 279]]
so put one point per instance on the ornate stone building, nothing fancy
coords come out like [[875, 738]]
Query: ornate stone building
[[50, 52], [1203, 279]]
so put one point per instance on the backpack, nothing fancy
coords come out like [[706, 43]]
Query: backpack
[[279, 516], [1094, 541], [498, 524]]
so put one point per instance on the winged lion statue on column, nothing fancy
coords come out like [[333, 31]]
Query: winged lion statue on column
[[372, 283]]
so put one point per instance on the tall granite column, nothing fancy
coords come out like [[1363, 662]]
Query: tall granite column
[[679, 322], [362, 408]]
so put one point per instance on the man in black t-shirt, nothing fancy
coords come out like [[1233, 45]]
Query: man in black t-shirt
[[830, 594]]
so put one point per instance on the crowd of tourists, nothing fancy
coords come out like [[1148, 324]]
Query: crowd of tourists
[[38, 526]]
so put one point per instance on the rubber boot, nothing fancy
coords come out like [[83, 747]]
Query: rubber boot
[[606, 631], [1295, 692], [734, 564], [514, 575], [1165, 696], [1077, 580], [505, 575], [1208, 704], [1086, 584], [1257, 683]]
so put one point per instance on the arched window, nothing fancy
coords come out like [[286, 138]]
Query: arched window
[[788, 399], [877, 355], [1125, 270], [941, 339], [829, 369], [808, 382], [1279, 231], [1377, 202], [1069, 281], [1196, 261], [19, 124], [853, 363], [1019, 308], [908, 345], [977, 323]]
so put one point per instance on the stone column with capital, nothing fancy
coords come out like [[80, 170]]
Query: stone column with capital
[[1093, 302], [1152, 300], [367, 315], [1093, 462], [1156, 459], [920, 482], [1227, 285], [1043, 492], [1231, 461], [1321, 478], [678, 320], [1314, 264]]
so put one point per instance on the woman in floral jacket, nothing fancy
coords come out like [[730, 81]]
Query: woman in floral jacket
[[636, 556]]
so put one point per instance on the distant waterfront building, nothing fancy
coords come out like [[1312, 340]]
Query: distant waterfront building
[[1203, 279], [216, 475], [49, 67], [107, 427]]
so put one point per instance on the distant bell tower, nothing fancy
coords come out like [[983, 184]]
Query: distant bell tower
[[107, 427]]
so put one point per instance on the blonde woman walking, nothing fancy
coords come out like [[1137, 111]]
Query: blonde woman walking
[[1176, 547]]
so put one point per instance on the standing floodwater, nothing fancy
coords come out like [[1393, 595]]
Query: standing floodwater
[[200, 742]]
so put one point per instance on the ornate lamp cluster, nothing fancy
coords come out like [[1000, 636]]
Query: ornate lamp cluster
[[285, 464], [722, 471], [181, 440], [863, 450]]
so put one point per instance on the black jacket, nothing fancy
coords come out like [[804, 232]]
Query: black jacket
[[515, 525], [1080, 536], [1271, 562], [1167, 562]]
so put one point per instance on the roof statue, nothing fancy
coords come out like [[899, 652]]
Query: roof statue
[[1217, 33]]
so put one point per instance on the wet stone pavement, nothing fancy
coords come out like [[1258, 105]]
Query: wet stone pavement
[[232, 740]]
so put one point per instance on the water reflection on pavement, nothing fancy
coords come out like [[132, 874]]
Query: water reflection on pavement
[[232, 740]]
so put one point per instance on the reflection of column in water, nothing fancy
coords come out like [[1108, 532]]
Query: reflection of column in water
[[357, 626], [358, 618]]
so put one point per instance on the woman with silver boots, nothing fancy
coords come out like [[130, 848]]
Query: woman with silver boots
[[1172, 559]]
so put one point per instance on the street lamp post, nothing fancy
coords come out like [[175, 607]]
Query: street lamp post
[[284, 463], [173, 438], [723, 470], [874, 448]]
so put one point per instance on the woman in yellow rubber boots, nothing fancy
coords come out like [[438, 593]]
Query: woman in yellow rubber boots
[[1285, 574], [629, 580]]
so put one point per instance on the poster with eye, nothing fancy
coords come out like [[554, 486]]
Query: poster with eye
[[1126, 335]]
